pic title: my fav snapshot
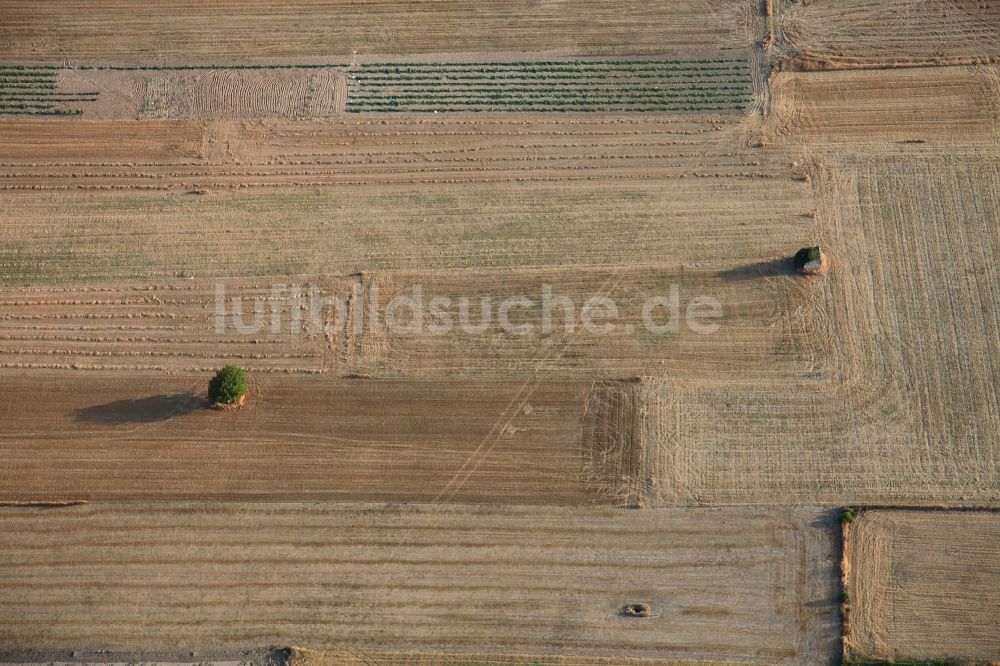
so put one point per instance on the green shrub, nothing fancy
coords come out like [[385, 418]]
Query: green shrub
[[228, 385], [845, 597], [804, 256], [847, 516]]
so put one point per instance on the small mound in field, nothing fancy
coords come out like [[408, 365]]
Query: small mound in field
[[810, 261], [230, 405], [637, 610]]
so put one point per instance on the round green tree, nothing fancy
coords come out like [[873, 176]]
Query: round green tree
[[228, 385]]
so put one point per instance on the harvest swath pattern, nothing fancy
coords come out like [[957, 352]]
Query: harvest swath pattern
[[32, 91], [363, 150], [165, 327], [570, 85], [442, 579]]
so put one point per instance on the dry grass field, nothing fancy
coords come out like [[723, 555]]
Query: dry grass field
[[753, 586], [487, 495], [924, 585]]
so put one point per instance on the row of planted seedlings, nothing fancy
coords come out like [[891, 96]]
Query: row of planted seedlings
[[552, 85], [34, 91]]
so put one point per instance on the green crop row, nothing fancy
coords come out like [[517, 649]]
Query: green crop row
[[526, 103], [43, 92], [44, 98], [519, 94], [536, 102], [433, 86], [542, 70], [547, 109], [27, 86], [40, 112], [556, 63], [28, 74], [540, 77], [611, 89], [35, 82]]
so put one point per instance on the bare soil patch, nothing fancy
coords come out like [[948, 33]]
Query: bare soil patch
[[143, 436]]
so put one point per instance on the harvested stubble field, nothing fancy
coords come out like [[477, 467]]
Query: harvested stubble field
[[860, 33], [754, 586], [924, 585], [912, 107], [488, 150], [239, 30], [371, 150], [734, 428]]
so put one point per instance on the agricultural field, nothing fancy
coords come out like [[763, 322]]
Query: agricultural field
[[512, 285], [436, 579], [924, 585], [250, 31], [33, 91], [893, 33]]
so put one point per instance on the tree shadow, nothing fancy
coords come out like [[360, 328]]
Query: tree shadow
[[143, 410], [762, 269]]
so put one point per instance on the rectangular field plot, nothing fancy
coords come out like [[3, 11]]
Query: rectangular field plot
[[85, 236], [882, 106], [254, 30], [724, 585], [924, 585], [358, 149], [716, 82], [622, 85], [901, 402], [131, 435], [845, 33]]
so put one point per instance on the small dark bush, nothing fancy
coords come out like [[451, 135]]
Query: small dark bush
[[804, 256], [847, 516], [845, 597], [228, 385]]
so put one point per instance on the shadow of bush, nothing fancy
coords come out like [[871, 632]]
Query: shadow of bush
[[143, 410]]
